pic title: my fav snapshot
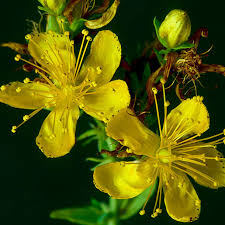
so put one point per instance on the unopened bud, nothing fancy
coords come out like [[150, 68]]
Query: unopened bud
[[55, 6], [176, 28]]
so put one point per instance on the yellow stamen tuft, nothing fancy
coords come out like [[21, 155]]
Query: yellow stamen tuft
[[142, 212], [17, 57], [67, 33], [162, 80], [89, 38]]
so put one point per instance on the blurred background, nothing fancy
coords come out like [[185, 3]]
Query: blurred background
[[32, 185]]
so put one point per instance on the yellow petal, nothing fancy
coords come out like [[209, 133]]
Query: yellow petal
[[211, 175], [57, 134], [181, 200], [103, 60], [105, 18], [25, 96], [107, 100], [54, 52], [120, 180], [126, 128], [189, 118]]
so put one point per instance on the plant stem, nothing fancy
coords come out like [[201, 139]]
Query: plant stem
[[114, 206]]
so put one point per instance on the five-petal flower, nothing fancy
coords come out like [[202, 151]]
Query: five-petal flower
[[65, 86], [168, 157]]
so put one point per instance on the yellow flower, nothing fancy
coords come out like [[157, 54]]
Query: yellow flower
[[169, 157], [65, 86]]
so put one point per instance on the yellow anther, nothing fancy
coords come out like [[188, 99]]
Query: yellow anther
[[180, 185], [26, 117], [167, 103], [142, 212], [215, 184], [197, 202], [28, 37], [85, 32], [162, 80], [3, 88], [99, 70], [93, 84], [47, 105], [89, 38], [128, 150], [155, 91], [154, 215], [26, 80], [18, 90], [52, 136], [81, 105], [224, 141], [50, 32], [67, 33], [72, 42], [224, 132], [17, 57], [217, 158], [36, 70], [13, 130], [159, 210]]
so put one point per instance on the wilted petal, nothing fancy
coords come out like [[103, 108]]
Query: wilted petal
[[181, 200], [57, 134], [126, 128], [25, 96], [105, 18], [103, 60], [107, 100]]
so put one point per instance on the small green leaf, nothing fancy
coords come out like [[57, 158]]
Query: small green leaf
[[86, 216], [157, 25], [134, 205]]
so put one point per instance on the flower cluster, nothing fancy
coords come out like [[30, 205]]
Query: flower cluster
[[67, 81]]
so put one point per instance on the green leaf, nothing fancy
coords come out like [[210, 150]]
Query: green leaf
[[157, 25], [132, 206], [86, 216], [87, 134], [77, 26]]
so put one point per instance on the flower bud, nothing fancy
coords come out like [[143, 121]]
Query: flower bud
[[176, 28], [54, 5]]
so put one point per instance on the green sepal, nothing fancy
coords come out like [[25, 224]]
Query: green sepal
[[183, 46], [76, 26], [130, 207], [47, 10], [86, 216], [157, 25], [52, 24]]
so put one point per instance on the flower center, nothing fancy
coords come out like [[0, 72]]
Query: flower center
[[164, 155]]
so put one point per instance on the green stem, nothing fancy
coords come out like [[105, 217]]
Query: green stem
[[114, 207]]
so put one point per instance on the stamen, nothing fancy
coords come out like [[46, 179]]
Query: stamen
[[40, 68], [88, 40], [3, 88], [26, 118], [163, 81], [155, 91], [85, 33]]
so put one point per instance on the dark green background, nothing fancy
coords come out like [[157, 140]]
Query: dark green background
[[31, 184]]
